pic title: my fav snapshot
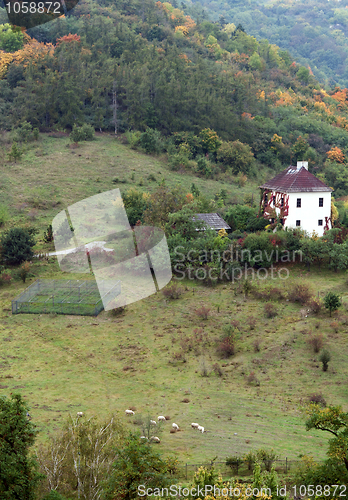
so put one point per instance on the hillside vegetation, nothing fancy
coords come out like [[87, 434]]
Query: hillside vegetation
[[314, 32], [148, 65]]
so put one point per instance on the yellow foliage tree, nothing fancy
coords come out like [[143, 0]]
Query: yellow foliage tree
[[336, 154]]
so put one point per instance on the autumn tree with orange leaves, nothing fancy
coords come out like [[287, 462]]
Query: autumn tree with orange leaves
[[335, 154]]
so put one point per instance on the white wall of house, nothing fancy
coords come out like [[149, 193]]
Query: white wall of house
[[310, 213]]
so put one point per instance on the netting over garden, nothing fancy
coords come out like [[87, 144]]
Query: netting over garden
[[65, 297]]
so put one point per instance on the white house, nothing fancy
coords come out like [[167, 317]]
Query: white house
[[298, 199]]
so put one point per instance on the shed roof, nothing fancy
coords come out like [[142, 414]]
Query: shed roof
[[214, 221], [295, 180]]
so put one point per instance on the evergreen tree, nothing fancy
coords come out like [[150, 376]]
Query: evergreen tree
[[18, 471]]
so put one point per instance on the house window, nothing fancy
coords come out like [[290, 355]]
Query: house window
[[274, 199], [282, 222], [320, 222], [282, 202], [266, 198], [298, 223], [298, 203], [272, 221], [321, 202]]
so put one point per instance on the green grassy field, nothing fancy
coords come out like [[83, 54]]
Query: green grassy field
[[51, 176], [63, 364]]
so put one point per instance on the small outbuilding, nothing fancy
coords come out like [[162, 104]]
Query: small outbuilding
[[213, 221], [297, 198]]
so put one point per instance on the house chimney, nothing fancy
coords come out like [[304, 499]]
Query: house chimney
[[301, 164]]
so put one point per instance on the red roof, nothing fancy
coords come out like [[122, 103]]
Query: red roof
[[295, 180]]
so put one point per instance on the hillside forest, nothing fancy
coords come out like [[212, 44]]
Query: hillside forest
[[187, 108]]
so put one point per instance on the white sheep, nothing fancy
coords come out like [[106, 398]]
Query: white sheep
[[143, 437], [200, 428], [161, 418], [79, 413], [129, 412], [194, 425], [175, 426], [155, 439], [153, 422]]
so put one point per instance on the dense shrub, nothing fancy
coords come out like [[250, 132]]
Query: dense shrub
[[204, 167], [203, 312], [270, 293], [252, 379], [217, 369], [16, 246], [236, 156], [15, 153], [5, 277], [84, 133], [317, 398], [24, 271], [24, 133], [258, 250], [239, 217], [325, 358], [133, 138], [315, 305], [226, 347], [48, 234], [151, 141], [300, 292], [173, 292], [316, 342], [271, 311]]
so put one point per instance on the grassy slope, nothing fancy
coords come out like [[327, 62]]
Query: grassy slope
[[64, 364]]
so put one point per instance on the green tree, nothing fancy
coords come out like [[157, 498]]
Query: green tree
[[331, 419], [210, 140], [11, 39], [15, 153], [18, 470], [332, 301], [325, 357], [255, 61], [135, 204], [137, 463], [236, 156], [303, 74], [162, 202], [17, 244]]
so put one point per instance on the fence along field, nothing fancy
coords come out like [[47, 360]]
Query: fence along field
[[64, 297]]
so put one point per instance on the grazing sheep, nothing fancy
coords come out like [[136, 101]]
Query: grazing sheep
[[172, 430], [200, 428], [79, 413], [143, 437], [161, 418], [153, 422], [155, 439], [175, 426], [194, 425], [129, 412]]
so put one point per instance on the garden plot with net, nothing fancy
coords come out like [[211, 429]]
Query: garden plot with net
[[65, 297]]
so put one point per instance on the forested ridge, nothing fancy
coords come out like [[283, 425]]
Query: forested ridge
[[144, 64], [315, 32]]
